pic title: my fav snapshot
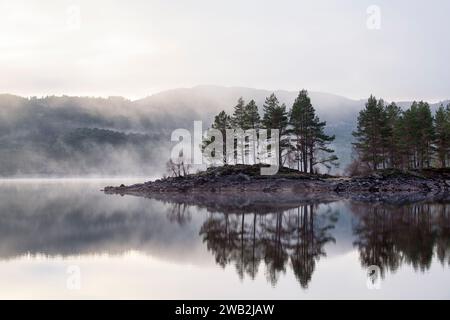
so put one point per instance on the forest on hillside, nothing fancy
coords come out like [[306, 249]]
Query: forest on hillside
[[390, 137]]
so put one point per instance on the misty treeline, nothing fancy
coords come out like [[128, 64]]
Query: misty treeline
[[79, 136], [303, 143], [389, 137]]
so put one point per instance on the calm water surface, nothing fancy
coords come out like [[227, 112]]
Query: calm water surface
[[130, 247]]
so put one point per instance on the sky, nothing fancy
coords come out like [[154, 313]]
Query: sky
[[395, 49]]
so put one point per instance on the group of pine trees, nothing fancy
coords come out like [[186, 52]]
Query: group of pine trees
[[302, 138], [389, 137]]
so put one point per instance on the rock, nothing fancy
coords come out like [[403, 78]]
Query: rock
[[339, 187], [247, 179], [243, 177]]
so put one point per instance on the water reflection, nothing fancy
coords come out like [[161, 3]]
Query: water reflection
[[295, 237], [389, 236], [270, 234]]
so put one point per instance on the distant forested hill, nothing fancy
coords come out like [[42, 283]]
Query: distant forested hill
[[67, 136]]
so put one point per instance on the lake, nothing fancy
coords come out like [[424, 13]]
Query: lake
[[66, 239]]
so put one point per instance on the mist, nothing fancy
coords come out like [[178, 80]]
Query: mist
[[116, 137]]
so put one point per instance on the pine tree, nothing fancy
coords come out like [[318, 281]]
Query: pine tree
[[239, 118], [442, 134], [427, 134], [419, 125], [401, 143], [392, 134], [384, 133], [369, 133], [252, 118], [239, 124], [253, 121], [275, 117], [222, 122], [388, 137], [269, 107], [320, 152], [299, 128], [310, 140], [410, 124]]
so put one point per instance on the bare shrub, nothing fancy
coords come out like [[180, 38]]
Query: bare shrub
[[179, 169]]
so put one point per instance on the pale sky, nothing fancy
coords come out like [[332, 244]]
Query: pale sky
[[135, 48]]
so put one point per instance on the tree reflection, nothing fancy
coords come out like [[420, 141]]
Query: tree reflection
[[388, 236], [296, 235], [275, 232], [309, 241], [179, 213]]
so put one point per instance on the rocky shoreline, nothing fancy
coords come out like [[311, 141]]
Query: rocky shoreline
[[244, 179]]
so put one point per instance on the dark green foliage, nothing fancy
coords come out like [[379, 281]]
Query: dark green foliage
[[392, 134], [308, 139], [301, 132], [222, 122], [320, 152], [252, 118], [239, 115], [369, 133], [419, 127], [387, 137], [276, 117], [442, 135]]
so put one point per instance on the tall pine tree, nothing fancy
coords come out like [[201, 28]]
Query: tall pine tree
[[369, 133], [253, 121], [391, 135], [442, 135], [319, 150], [222, 122], [310, 143], [275, 117], [300, 121], [239, 124]]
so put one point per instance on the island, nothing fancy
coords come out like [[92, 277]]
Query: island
[[246, 180], [398, 154]]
